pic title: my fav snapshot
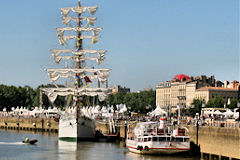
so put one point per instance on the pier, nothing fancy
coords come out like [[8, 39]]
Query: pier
[[29, 124], [218, 143]]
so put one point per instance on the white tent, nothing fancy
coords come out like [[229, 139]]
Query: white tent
[[104, 109], [217, 112], [236, 115], [229, 113], [112, 109], [207, 112], [158, 111], [96, 110], [123, 109]]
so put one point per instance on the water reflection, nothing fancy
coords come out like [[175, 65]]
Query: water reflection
[[105, 151]]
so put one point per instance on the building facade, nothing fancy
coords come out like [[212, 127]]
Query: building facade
[[118, 88], [181, 91]]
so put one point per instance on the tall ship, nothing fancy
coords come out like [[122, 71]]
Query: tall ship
[[82, 75]]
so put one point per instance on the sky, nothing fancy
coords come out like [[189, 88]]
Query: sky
[[147, 41]]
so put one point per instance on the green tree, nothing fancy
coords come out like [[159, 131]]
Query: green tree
[[233, 103], [210, 104], [218, 101], [197, 106]]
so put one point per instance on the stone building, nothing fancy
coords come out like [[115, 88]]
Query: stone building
[[181, 90], [118, 88]]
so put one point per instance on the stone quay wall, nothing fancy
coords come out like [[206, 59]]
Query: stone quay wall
[[38, 124], [222, 141]]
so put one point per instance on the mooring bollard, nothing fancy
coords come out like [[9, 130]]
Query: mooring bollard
[[34, 125], [125, 129]]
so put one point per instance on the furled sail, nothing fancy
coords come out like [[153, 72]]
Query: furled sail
[[90, 20], [99, 59], [79, 10], [55, 74], [63, 39], [52, 93], [96, 31], [76, 59], [56, 52]]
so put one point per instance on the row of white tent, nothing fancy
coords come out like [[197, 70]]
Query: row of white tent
[[226, 114], [36, 111], [160, 112], [100, 111], [97, 110]]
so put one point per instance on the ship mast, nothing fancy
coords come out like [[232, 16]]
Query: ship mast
[[79, 48], [79, 72]]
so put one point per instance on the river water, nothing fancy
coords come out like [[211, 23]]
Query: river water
[[49, 147]]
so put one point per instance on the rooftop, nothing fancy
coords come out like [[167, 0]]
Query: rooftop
[[218, 88]]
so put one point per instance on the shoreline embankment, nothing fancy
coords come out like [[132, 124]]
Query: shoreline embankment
[[213, 141]]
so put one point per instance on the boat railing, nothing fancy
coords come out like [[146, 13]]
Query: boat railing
[[176, 139]]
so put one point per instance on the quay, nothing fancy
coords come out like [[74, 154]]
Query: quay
[[29, 124], [215, 141]]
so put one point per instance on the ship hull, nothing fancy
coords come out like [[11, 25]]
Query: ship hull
[[156, 151], [70, 130], [158, 148]]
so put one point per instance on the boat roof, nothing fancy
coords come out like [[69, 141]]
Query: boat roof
[[147, 123]]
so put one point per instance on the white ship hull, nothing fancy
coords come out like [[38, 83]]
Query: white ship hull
[[157, 147], [70, 130]]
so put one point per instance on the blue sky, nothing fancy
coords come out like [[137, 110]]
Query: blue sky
[[147, 41]]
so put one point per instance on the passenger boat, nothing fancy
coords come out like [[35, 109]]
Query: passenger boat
[[158, 138]]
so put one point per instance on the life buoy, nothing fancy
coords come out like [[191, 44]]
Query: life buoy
[[140, 148], [146, 148]]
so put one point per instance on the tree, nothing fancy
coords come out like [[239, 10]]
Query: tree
[[233, 103], [137, 101], [217, 101], [197, 103], [210, 104]]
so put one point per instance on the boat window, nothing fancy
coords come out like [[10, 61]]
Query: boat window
[[173, 139], [179, 139], [155, 138], [145, 139], [186, 139], [149, 138], [168, 139], [139, 139], [162, 139]]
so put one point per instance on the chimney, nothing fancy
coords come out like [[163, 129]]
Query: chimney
[[213, 80], [238, 92], [226, 84], [234, 84]]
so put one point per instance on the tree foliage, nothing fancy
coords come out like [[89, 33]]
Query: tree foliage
[[136, 101], [11, 96], [233, 103], [196, 106], [217, 101]]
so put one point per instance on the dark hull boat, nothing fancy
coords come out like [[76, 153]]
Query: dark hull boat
[[31, 141]]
